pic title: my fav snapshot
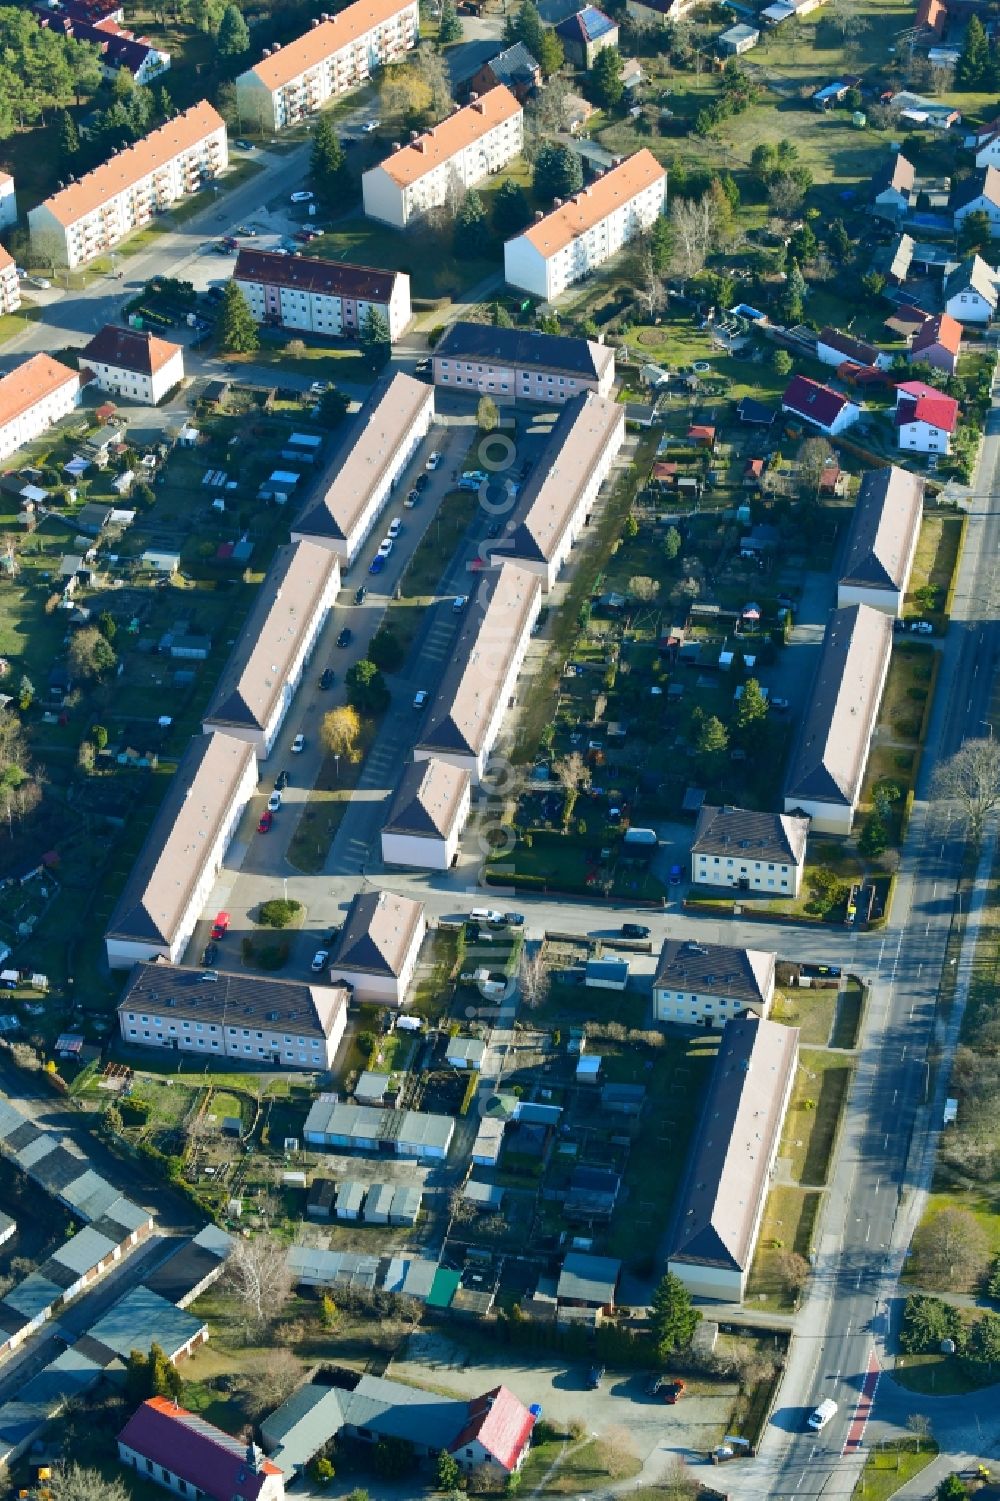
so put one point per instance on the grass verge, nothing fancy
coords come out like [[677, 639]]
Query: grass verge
[[891, 1465], [817, 1103], [327, 803], [935, 1376], [789, 1223]]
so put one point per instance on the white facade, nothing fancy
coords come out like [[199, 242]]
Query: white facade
[[8, 201], [94, 215], [10, 286], [485, 377], [270, 1047], [982, 204], [385, 989], [430, 851], [921, 437], [969, 306], [33, 396], [272, 1487], [457, 154], [578, 237], [703, 1008], [338, 54], [146, 388], [334, 314], [988, 155], [780, 878], [829, 354]]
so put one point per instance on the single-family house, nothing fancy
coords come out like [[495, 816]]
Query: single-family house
[[925, 419], [751, 851], [893, 191], [827, 766], [658, 12], [938, 342], [137, 366], [970, 291], [980, 194], [585, 34], [170, 1446], [376, 951], [427, 814], [707, 984], [515, 68], [836, 349], [729, 1164], [987, 147], [823, 408], [882, 541]]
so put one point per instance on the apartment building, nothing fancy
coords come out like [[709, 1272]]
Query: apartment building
[[8, 201], [478, 684], [376, 952], [555, 504], [10, 285], [137, 366], [337, 54], [211, 1013], [521, 364], [721, 1204], [176, 868], [581, 234], [749, 851], [116, 47], [378, 443], [309, 295], [827, 765], [92, 216], [707, 984], [466, 147], [257, 684], [426, 817], [33, 395], [882, 541]]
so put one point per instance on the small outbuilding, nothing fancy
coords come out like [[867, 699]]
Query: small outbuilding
[[606, 974], [465, 1052], [588, 1281]]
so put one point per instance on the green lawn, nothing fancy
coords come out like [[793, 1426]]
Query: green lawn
[[327, 803], [849, 1011], [788, 1225], [812, 1011], [424, 255], [570, 1467], [814, 1115], [891, 1465], [934, 563], [936, 1376]]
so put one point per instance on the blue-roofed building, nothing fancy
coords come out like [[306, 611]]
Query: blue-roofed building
[[585, 34]]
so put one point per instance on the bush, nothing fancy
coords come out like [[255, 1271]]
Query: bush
[[275, 956], [278, 913], [135, 1111]]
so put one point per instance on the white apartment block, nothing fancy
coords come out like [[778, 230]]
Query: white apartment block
[[466, 147], [10, 286], [709, 984], [521, 364], [175, 870], [749, 851], [379, 443], [427, 814], [137, 366], [309, 295], [265, 667], [8, 201], [583, 233], [337, 54], [32, 396], [92, 216]]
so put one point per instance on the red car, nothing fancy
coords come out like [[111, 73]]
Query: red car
[[221, 925], [265, 821]]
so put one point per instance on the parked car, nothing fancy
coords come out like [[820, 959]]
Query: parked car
[[676, 875], [344, 639], [420, 698], [595, 1376], [281, 780], [274, 802], [423, 367], [921, 627], [303, 236], [433, 461], [220, 927], [377, 563], [494, 529], [385, 547], [326, 678], [412, 500], [208, 957], [459, 603], [370, 125], [514, 919], [421, 482], [394, 528], [264, 822], [319, 959], [298, 744], [634, 930], [669, 1391], [361, 594], [781, 704], [302, 197]]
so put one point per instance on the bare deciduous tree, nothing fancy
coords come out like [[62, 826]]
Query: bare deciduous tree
[[971, 779], [793, 1270], [679, 1484], [77, 1484], [257, 1271], [920, 1426], [574, 774], [814, 456], [643, 588], [693, 222], [952, 1248], [533, 977], [270, 1381]]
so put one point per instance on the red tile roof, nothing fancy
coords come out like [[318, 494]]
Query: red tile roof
[[807, 398], [128, 349], [916, 402], [202, 1455], [943, 330], [501, 1423]]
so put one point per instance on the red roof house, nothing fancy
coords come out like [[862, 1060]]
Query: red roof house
[[497, 1433], [167, 1444], [702, 434], [820, 406], [938, 342], [925, 419]]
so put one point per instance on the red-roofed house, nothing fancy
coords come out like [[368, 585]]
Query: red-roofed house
[[497, 1434], [820, 406], [938, 342], [925, 419], [702, 435], [172, 1447]]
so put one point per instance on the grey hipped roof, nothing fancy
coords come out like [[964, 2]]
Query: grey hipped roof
[[428, 798], [887, 516], [745, 975], [729, 1162], [377, 933], [731, 832], [526, 349], [828, 760]]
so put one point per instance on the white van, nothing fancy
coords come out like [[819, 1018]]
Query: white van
[[824, 1412]]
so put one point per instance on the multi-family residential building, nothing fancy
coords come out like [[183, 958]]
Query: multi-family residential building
[[750, 851], [10, 285], [183, 1453], [116, 47], [581, 234], [33, 395], [707, 984], [307, 294], [520, 364], [721, 1204], [427, 814], [455, 155], [258, 683], [95, 214], [555, 504], [882, 541], [338, 53], [212, 1013], [351, 493], [138, 366], [925, 418], [376, 951], [970, 291], [827, 766], [175, 870], [8, 201], [478, 685]]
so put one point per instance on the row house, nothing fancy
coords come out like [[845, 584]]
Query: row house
[[306, 294], [93, 215]]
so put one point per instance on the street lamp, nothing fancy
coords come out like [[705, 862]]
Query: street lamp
[[988, 725]]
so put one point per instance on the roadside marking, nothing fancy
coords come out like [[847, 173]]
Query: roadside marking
[[863, 1411]]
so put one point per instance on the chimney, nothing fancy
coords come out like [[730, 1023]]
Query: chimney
[[539, 216], [557, 203], [480, 108], [473, 98], [396, 146], [414, 135], [313, 23]]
